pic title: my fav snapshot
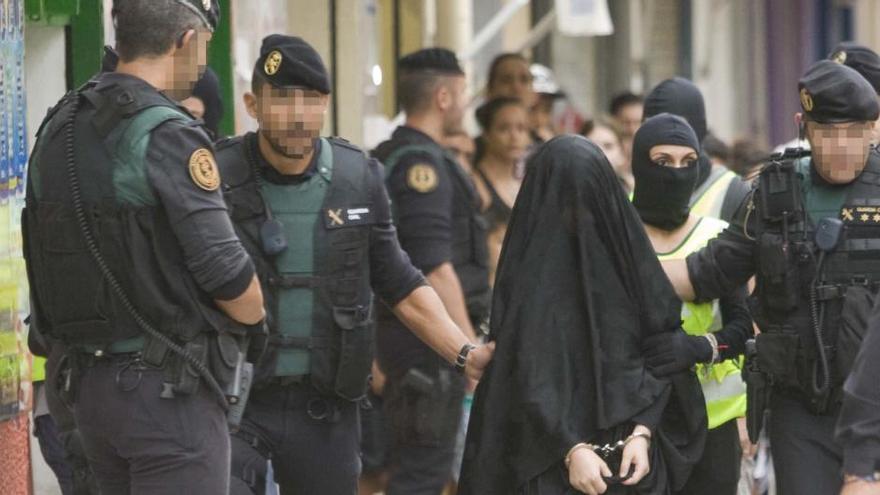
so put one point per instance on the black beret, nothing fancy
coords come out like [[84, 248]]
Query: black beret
[[831, 93], [207, 10], [290, 62], [861, 58], [431, 59]]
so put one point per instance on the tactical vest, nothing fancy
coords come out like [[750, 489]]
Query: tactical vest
[[340, 346], [722, 383], [786, 263], [71, 299], [470, 251]]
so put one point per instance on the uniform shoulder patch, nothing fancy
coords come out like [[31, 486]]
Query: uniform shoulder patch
[[422, 177], [203, 169]]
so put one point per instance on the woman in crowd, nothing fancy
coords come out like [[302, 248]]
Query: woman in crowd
[[568, 374], [603, 133], [499, 172], [510, 77], [713, 336]]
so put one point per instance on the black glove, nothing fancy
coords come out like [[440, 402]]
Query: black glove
[[670, 352]]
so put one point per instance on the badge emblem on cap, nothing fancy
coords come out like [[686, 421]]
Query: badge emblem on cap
[[806, 100], [839, 57], [203, 170], [273, 63]]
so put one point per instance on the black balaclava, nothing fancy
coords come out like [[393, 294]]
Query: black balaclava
[[680, 96], [207, 89], [662, 194]]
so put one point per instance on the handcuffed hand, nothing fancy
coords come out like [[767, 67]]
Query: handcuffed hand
[[586, 471], [635, 455]]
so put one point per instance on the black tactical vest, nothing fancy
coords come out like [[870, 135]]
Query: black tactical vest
[[341, 346], [788, 286], [72, 301], [470, 252]]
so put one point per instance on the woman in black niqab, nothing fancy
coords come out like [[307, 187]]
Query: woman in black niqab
[[578, 289]]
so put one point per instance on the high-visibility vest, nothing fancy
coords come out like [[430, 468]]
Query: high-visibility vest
[[709, 198], [723, 386], [38, 369]]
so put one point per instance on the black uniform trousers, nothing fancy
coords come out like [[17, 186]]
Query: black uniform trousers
[[140, 444], [312, 440], [717, 472], [806, 458], [424, 412]]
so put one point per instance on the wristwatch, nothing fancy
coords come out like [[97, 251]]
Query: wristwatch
[[461, 359]]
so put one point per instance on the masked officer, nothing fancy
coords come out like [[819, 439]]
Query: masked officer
[[314, 214], [719, 192], [134, 265], [809, 235], [436, 210]]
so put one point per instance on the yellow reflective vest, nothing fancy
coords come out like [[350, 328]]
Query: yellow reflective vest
[[722, 383], [708, 201]]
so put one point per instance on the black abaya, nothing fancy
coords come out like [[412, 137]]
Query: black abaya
[[578, 289]]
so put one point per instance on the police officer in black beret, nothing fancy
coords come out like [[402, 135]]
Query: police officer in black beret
[[315, 216], [866, 62], [134, 266], [809, 234], [436, 210]]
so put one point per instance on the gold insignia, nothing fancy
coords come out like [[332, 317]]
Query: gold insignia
[[839, 57], [422, 178], [203, 170], [273, 63], [877, 218], [864, 217], [335, 217], [847, 214], [806, 100]]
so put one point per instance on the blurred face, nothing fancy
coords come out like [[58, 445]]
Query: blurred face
[[513, 80], [508, 136], [606, 139], [673, 156], [462, 147], [630, 118], [840, 150], [188, 62], [452, 100], [290, 119]]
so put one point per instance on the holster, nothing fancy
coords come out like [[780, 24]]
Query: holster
[[758, 391]]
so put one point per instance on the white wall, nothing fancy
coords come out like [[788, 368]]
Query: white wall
[[44, 73]]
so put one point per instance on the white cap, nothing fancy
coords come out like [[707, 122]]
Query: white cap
[[544, 81]]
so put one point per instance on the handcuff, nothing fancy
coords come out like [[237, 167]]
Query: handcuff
[[605, 451]]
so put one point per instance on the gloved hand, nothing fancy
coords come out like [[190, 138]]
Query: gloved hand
[[670, 352]]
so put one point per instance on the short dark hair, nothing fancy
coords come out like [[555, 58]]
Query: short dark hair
[[149, 28], [487, 111], [416, 88], [624, 99], [715, 147]]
